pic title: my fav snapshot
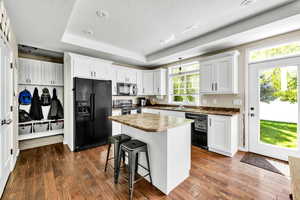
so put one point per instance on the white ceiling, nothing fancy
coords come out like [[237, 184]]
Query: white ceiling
[[133, 30]]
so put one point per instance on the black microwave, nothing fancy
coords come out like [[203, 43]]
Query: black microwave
[[126, 89]]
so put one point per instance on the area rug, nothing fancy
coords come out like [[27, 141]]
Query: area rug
[[260, 161]]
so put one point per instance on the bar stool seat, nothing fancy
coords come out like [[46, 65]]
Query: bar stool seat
[[133, 148], [116, 140]]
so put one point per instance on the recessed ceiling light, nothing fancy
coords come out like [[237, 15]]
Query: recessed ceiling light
[[88, 32], [102, 13], [247, 2], [169, 39]]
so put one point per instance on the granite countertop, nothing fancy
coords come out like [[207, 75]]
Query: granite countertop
[[150, 122], [200, 110]]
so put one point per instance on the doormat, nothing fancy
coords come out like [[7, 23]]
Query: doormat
[[260, 161]]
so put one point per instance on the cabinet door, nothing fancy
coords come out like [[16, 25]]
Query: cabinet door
[[35, 72], [23, 67], [59, 74], [121, 75], [148, 88], [131, 76], [223, 73], [82, 68], [139, 82], [159, 82], [100, 70], [219, 133], [206, 82], [152, 111], [112, 74]]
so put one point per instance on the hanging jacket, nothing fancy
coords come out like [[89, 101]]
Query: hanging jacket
[[36, 112], [25, 97], [56, 110], [45, 97]]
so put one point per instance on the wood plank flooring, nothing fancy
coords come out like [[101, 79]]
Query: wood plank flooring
[[53, 172]]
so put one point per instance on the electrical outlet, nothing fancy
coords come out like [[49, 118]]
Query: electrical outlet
[[237, 102]]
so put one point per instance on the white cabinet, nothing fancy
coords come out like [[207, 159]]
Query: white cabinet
[[90, 68], [148, 86], [222, 134], [159, 82], [35, 72], [126, 75], [219, 74], [116, 127], [112, 75], [139, 82], [172, 113]]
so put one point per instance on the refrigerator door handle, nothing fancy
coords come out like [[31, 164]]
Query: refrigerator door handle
[[93, 107]]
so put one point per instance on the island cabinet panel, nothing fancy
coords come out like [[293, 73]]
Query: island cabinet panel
[[222, 134], [169, 164], [116, 127]]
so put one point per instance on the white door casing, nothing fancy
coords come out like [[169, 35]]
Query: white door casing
[[255, 145], [6, 93]]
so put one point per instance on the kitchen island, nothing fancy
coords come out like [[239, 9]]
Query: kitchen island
[[169, 145]]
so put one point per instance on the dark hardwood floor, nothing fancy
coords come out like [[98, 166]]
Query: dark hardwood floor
[[53, 172]]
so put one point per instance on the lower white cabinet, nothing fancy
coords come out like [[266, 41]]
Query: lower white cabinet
[[223, 134], [116, 127]]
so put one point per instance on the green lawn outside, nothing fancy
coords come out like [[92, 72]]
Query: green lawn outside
[[282, 134]]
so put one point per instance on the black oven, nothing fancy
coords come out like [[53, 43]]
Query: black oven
[[199, 129]]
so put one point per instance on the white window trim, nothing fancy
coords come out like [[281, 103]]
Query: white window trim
[[170, 95]]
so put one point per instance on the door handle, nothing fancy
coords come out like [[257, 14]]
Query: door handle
[[8, 122]]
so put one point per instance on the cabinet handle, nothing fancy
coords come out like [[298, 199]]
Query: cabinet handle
[[216, 86], [143, 90], [210, 122], [95, 74], [212, 87], [91, 74]]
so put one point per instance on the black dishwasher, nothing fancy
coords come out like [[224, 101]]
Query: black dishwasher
[[198, 129]]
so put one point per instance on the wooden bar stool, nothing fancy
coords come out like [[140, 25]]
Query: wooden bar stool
[[116, 140], [133, 148]]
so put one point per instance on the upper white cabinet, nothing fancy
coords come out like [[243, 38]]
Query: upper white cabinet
[[91, 68], [148, 79], [159, 82], [37, 72], [223, 134], [139, 82], [219, 74], [126, 75]]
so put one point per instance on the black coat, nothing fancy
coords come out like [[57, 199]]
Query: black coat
[[36, 112], [56, 110]]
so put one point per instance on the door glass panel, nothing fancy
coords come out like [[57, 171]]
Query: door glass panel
[[278, 106]]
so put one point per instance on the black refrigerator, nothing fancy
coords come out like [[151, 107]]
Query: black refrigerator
[[92, 106]]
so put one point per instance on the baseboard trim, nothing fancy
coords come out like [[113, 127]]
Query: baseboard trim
[[34, 143]]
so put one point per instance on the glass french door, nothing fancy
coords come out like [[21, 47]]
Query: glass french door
[[274, 108]]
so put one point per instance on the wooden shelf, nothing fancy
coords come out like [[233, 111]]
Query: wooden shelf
[[40, 134]]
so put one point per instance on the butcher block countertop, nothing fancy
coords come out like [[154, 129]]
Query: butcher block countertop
[[150, 122]]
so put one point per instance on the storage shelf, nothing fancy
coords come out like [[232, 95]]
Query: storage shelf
[[40, 134], [40, 121]]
